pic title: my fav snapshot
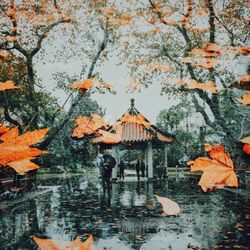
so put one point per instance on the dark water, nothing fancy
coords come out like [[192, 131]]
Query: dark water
[[127, 217]]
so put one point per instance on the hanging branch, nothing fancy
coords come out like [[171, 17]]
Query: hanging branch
[[55, 130], [214, 102]]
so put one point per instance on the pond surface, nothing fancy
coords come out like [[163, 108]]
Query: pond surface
[[126, 217]]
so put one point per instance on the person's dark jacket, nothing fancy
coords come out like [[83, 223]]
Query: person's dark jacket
[[109, 164]]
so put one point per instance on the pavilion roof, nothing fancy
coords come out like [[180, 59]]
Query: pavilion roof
[[132, 127]]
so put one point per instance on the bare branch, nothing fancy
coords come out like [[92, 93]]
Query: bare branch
[[201, 110], [45, 34], [211, 21]]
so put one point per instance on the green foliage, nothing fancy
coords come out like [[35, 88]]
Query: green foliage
[[73, 153], [132, 156]]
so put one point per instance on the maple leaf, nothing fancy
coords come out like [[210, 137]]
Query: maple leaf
[[16, 151], [9, 135], [7, 85], [11, 153], [85, 85], [23, 166], [77, 244], [169, 207], [3, 128], [87, 125], [245, 99], [45, 244], [217, 170], [243, 50]]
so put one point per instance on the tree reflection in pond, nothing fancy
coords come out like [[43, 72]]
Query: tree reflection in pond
[[127, 216]]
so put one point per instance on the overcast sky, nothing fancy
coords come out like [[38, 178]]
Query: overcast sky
[[149, 101]]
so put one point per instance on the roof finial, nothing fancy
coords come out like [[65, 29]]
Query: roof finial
[[132, 101]]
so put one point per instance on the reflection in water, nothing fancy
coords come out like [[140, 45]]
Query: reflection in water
[[126, 215]]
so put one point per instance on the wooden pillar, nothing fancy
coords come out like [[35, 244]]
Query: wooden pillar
[[150, 160], [116, 155], [146, 161], [166, 159]]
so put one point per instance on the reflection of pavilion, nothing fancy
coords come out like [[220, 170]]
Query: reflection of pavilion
[[134, 131]]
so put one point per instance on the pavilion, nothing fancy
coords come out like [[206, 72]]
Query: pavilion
[[134, 131]]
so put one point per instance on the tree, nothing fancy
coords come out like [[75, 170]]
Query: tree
[[192, 48], [69, 152], [30, 28], [187, 143], [26, 26]]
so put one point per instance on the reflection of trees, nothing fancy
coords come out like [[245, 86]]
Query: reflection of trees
[[18, 225], [64, 213]]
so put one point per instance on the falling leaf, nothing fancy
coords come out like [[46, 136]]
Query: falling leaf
[[245, 99], [85, 85], [218, 169], [23, 166], [206, 63], [15, 150], [31, 137], [7, 85], [48, 244], [169, 207], [212, 48], [87, 125], [245, 79], [3, 128], [243, 50], [206, 86], [45, 244], [10, 135], [108, 137]]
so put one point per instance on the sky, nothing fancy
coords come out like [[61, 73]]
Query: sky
[[148, 101]]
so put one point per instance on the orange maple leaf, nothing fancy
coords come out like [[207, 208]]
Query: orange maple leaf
[[206, 86], [23, 166], [77, 244], [243, 50], [3, 128], [85, 85], [45, 244], [11, 153], [7, 85], [217, 170], [245, 99], [15, 150], [87, 125], [9, 135]]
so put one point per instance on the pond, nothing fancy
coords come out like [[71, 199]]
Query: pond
[[126, 217]]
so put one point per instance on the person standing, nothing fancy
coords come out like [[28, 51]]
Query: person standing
[[99, 163], [137, 168], [142, 168], [121, 166], [108, 165]]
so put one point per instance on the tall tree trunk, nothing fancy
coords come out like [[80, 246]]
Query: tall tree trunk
[[56, 129], [31, 87]]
